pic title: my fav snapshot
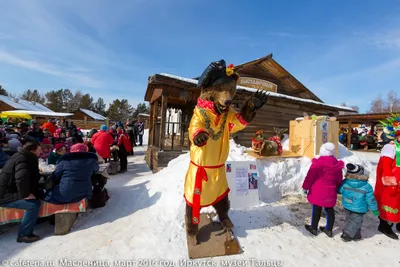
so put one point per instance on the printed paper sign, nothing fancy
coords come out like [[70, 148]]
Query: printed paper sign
[[241, 181]]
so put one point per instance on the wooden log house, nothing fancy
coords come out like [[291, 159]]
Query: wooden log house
[[87, 119], [288, 100]]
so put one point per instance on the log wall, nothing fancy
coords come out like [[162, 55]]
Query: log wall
[[275, 113]]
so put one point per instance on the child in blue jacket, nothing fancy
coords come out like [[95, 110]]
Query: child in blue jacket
[[357, 198]]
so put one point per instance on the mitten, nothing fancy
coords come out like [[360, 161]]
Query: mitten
[[389, 181], [304, 192], [200, 139], [375, 213]]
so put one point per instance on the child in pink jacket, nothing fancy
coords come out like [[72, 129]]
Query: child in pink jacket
[[323, 179]]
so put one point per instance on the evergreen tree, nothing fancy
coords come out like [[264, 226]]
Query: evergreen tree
[[100, 107], [120, 110], [33, 96], [3, 91]]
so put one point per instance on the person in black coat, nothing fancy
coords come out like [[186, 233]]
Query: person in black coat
[[19, 188], [132, 136]]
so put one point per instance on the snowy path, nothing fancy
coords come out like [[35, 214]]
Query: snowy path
[[144, 219]]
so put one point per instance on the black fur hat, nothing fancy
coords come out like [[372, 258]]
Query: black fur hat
[[216, 74]]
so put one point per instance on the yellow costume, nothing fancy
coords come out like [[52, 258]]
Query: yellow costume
[[206, 182]]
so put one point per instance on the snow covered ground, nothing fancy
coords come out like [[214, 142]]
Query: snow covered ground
[[144, 219]]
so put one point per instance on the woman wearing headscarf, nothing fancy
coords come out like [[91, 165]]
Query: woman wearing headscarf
[[72, 177]]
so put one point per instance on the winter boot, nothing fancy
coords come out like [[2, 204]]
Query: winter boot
[[357, 237], [311, 230], [398, 227], [28, 238], [222, 208], [326, 231], [386, 229], [346, 238]]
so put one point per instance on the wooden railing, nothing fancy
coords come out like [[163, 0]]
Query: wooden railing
[[176, 136]]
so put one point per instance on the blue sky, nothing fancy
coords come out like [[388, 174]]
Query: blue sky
[[343, 51]]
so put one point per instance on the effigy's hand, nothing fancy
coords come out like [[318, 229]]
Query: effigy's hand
[[259, 99], [200, 139]]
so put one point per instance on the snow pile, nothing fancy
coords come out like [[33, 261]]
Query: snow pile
[[283, 176]]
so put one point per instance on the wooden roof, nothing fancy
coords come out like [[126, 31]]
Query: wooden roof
[[180, 87], [266, 68], [363, 118]]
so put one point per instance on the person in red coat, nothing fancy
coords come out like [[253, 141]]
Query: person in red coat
[[125, 148], [50, 127], [102, 140], [387, 187]]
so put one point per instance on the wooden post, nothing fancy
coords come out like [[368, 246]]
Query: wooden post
[[173, 136], [107, 122], [85, 122], [183, 126], [155, 118], [163, 121], [151, 124], [349, 130]]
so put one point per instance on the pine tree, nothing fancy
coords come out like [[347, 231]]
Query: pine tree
[[87, 102], [120, 110], [100, 107], [3, 91], [141, 108], [33, 96], [54, 100]]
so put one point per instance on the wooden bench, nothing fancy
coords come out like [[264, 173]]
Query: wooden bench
[[65, 215]]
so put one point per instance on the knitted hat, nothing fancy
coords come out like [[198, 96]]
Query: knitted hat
[[216, 74], [355, 171], [327, 149], [46, 141], [58, 146], [103, 127], [79, 148]]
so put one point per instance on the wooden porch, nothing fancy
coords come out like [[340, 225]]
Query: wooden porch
[[352, 120], [168, 138]]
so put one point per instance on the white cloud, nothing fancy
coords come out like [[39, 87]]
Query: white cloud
[[386, 40], [287, 34], [50, 37], [48, 69]]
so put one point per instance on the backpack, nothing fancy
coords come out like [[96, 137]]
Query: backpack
[[99, 198]]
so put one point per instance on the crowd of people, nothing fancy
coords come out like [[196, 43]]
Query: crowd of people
[[364, 138], [76, 158]]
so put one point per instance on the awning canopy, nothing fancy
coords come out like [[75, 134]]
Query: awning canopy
[[5, 115], [15, 113]]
